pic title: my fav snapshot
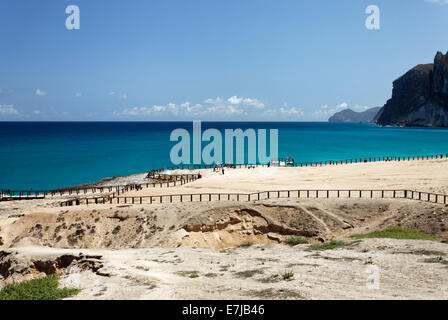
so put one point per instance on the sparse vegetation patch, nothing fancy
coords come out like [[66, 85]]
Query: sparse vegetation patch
[[396, 233], [248, 273], [333, 244], [295, 240], [45, 288]]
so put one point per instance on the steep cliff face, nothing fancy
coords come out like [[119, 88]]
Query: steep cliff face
[[419, 97]]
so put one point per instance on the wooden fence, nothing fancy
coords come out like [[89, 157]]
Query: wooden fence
[[117, 190], [30, 194], [18, 195], [208, 197], [312, 164]]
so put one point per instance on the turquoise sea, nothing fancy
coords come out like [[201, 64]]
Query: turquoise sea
[[49, 155]]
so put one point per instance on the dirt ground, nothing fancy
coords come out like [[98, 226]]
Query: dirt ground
[[401, 269], [237, 250], [214, 225]]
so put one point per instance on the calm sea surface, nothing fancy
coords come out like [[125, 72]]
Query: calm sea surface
[[49, 155]]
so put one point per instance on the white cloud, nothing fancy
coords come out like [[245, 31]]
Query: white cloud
[[121, 95], [245, 101], [254, 103], [188, 108], [8, 110], [158, 108], [40, 92], [78, 94], [235, 100], [293, 111], [439, 2], [212, 107], [234, 108], [343, 105], [36, 112], [360, 108], [141, 111], [214, 100], [324, 112], [284, 113]]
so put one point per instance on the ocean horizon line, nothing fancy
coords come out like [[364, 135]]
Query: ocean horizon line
[[181, 121]]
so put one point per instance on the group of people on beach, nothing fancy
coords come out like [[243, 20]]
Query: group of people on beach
[[219, 166]]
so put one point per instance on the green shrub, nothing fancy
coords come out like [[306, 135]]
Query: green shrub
[[288, 275], [333, 244], [396, 233], [295, 240], [45, 288]]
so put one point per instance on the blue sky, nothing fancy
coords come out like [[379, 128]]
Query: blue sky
[[209, 59]]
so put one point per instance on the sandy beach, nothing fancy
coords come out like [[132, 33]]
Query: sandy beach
[[424, 175], [237, 250]]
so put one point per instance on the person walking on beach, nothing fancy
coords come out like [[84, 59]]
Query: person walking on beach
[[222, 170]]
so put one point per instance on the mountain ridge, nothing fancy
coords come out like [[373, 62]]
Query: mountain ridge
[[348, 115]]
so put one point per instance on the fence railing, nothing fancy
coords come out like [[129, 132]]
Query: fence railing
[[117, 190], [311, 164], [263, 195], [26, 194], [31, 194]]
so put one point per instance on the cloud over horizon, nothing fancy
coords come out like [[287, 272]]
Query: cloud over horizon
[[210, 107], [40, 92], [213, 108], [233, 108], [8, 110]]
